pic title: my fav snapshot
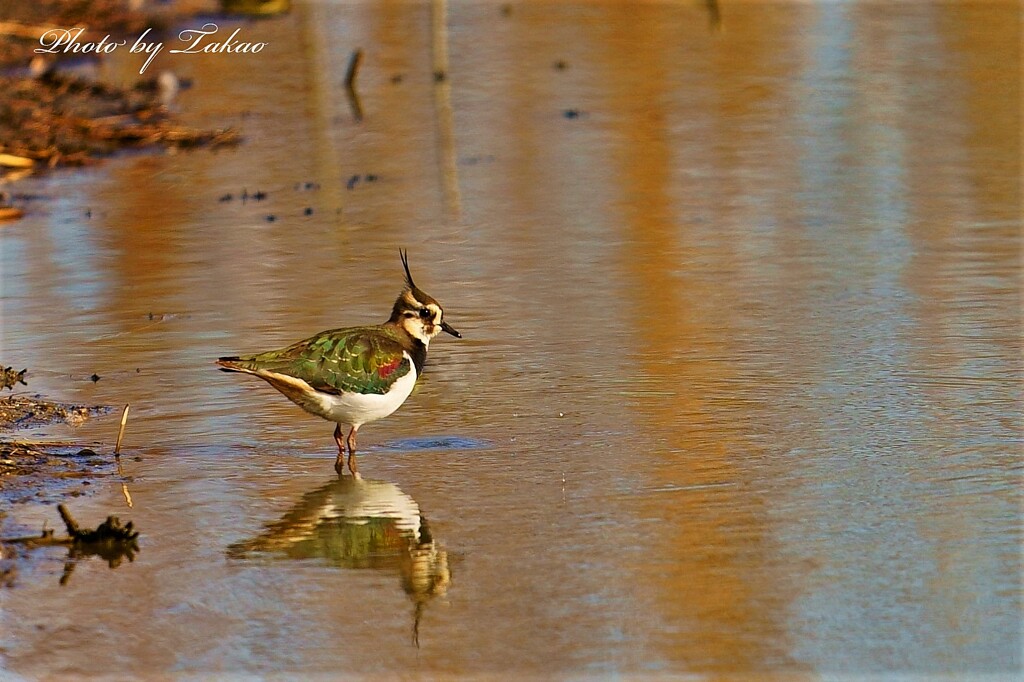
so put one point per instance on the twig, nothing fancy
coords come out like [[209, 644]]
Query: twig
[[12, 161], [120, 433], [10, 213], [69, 521], [44, 539]]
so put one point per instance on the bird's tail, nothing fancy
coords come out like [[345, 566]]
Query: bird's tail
[[233, 364]]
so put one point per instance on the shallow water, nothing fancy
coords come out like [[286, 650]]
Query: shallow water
[[740, 388]]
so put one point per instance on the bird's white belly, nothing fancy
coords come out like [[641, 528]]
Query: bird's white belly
[[362, 408]]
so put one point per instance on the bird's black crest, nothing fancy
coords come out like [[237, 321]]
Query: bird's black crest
[[405, 263]]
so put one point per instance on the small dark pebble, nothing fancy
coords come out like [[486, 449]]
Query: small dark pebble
[[571, 113], [270, 217], [136, 459], [226, 197], [260, 195], [85, 452], [94, 378], [506, 10], [308, 211], [561, 65], [86, 483], [88, 213], [396, 79], [371, 178], [439, 76], [352, 182]]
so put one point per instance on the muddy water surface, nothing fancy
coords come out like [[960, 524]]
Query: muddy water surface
[[740, 383]]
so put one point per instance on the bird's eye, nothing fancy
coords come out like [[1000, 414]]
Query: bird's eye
[[424, 313]]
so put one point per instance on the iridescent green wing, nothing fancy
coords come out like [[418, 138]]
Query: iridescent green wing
[[355, 360]]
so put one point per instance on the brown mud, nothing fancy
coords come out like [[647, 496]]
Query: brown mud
[[31, 470], [23, 22], [49, 118], [63, 120]]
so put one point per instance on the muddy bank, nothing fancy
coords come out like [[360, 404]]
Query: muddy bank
[[49, 118], [45, 471], [23, 22], [17, 411], [60, 119]]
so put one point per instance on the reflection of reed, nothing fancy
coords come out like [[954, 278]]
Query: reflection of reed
[[714, 14], [350, 85], [443, 106], [357, 524]]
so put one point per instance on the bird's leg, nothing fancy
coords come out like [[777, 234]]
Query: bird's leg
[[352, 452], [339, 463]]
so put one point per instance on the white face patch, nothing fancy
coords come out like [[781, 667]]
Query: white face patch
[[422, 328], [417, 329]]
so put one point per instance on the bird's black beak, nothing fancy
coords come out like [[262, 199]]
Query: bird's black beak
[[445, 327]]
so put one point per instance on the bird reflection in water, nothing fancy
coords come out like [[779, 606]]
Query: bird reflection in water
[[353, 524]]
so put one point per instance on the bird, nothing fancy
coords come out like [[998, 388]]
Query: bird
[[354, 375]]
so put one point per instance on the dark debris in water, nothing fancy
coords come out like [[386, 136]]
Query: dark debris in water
[[110, 531], [10, 378], [110, 541], [355, 179]]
